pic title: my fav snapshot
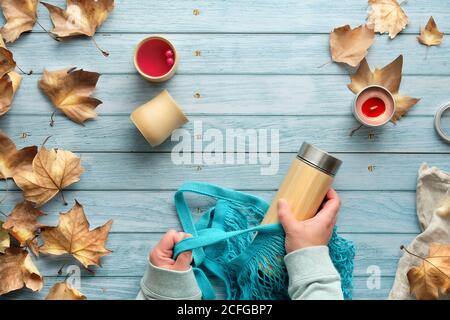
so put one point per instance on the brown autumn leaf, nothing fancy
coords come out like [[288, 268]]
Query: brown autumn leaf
[[9, 82], [20, 15], [52, 171], [349, 45], [432, 278], [72, 236], [389, 77], [430, 35], [18, 270], [81, 17], [22, 223], [12, 160], [387, 16], [70, 91], [7, 63], [5, 241], [64, 291]]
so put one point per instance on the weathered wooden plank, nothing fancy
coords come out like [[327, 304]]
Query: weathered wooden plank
[[130, 252], [118, 134], [126, 288], [154, 211], [227, 54], [251, 16], [144, 171], [324, 95]]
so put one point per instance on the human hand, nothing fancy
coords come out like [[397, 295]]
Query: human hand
[[162, 253], [312, 232]]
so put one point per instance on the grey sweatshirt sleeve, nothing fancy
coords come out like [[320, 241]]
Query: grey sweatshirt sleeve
[[163, 284], [312, 275]]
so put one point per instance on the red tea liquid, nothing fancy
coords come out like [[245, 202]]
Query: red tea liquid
[[151, 58], [373, 107]]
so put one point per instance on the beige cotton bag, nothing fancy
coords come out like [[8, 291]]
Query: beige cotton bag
[[433, 211]]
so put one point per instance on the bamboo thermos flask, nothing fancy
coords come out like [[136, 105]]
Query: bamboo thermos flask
[[306, 184]]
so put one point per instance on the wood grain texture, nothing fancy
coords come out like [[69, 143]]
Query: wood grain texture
[[251, 16], [317, 95], [154, 211], [243, 64], [226, 54], [146, 171]]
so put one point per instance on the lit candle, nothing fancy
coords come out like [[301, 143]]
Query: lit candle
[[374, 106]]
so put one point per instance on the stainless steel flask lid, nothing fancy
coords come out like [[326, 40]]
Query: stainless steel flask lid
[[318, 158]]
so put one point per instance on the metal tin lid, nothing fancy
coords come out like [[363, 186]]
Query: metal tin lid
[[438, 124], [318, 158]]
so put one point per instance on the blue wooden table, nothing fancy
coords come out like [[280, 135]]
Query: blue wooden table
[[243, 64]]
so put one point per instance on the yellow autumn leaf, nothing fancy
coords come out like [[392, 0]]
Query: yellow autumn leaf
[[18, 270], [5, 241], [349, 45], [431, 279], [52, 171], [72, 236], [64, 291], [386, 16], [20, 15], [430, 35]]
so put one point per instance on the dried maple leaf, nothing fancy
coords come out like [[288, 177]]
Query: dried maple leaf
[[430, 35], [12, 160], [9, 82], [22, 223], [7, 63], [389, 77], [387, 16], [72, 236], [349, 45], [21, 15], [432, 278], [81, 17], [18, 270], [52, 171], [64, 291], [5, 241], [70, 91]]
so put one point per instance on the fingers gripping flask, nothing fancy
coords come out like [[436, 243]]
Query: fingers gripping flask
[[306, 184]]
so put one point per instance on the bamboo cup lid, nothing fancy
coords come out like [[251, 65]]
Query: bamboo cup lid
[[158, 118]]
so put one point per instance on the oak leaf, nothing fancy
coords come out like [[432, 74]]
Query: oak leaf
[[52, 171], [18, 270], [387, 16], [72, 236], [70, 91], [81, 17], [22, 223], [5, 241], [389, 77], [349, 45], [9, 82], [20, 15], [64, 291], [432, 278], [430, 35], [12, 160]]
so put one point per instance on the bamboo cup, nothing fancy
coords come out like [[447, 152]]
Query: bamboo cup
[[158, 118], [307, 182]]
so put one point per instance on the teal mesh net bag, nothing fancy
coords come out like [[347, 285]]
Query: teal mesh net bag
[[229, 243]]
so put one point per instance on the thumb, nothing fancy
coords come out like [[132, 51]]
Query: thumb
[[183, 261], [285, 215]]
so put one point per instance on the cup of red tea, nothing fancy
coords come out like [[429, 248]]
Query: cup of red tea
[[156, 59], [374, 106]]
